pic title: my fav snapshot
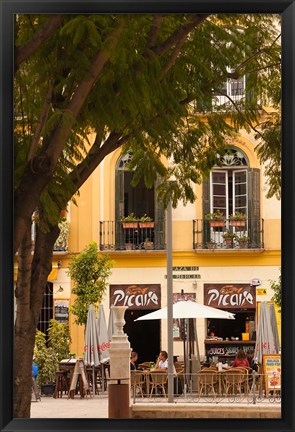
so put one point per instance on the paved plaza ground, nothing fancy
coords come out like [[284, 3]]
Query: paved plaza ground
[[49, 407]]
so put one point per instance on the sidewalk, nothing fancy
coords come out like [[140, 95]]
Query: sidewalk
[[49, 407]]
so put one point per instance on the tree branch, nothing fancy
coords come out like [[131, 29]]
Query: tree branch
[[48, 29], [192, 22], [155, 30], [241, 114], [42, 121]]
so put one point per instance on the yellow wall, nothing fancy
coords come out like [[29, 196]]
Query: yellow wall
[[97, 202]]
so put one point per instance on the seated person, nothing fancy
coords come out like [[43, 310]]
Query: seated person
[[133, 360], [250, 357], [241, 360], [162, 364]]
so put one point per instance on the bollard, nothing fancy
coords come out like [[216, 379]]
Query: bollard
[[118, 400], [119, 383]]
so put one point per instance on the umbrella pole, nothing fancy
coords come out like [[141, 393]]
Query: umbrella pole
[[93, 381], [102, 377]]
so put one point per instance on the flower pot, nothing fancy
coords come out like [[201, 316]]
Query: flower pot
[[228, 241], [47, 389], [146, 224], [243, 244], [148, 245], [210, 245], [129, 246], [216, 223], [237, 223], [130, 224]]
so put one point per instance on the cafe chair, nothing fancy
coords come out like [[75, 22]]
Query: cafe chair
[[208, 382], [61, 384], [234, 381], [158, 382], [137, 382]]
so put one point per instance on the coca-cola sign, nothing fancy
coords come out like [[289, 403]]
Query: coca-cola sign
[[144, 296], [230, 296]]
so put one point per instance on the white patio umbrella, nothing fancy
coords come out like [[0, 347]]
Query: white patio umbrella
[[189, 309], [103, 341], [265, 341], [91, 354], [274, 326]]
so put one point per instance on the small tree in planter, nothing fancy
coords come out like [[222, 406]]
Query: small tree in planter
[[90, 273], [48, 355]]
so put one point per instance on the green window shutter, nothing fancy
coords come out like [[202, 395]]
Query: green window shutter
[[159, 219], [206, 207], [206, 196], [254, 204]]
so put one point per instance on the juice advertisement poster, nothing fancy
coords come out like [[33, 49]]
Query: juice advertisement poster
[[272, 370]]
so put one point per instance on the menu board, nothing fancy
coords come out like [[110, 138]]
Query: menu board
[[61, 311], [271, 364]]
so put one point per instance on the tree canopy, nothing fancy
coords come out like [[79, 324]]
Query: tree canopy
[[138, 81], [145, 83]]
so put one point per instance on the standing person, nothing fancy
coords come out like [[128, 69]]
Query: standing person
[[35, 370], [241, 360], [133, 360]]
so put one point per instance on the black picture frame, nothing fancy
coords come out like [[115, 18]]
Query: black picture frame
[[8, 9]]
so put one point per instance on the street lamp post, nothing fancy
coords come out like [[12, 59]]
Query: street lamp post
[[169, 303]]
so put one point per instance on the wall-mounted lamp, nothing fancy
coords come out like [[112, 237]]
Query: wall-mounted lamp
[[60, 290]]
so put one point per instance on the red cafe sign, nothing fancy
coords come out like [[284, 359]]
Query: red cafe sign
[[230, 296], [144, 296]]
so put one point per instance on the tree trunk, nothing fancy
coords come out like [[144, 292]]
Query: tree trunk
[[31, 283]]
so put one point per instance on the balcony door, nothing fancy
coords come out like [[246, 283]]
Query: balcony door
[[139, 200], [232, 187], [229, 191]]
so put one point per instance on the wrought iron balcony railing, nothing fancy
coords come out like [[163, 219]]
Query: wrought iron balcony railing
[[116, 236], [228, 234]]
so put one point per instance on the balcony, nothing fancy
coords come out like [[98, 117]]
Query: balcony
[[114, 237], [229, 235]]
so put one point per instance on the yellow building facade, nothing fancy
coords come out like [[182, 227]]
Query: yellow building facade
[[208, 275]]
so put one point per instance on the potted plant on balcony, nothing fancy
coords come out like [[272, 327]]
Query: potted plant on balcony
[[242, 240], [148, 244], [237, 219], [146, 222], [211, 244], [215, 219], [130, 221], [228, 237]]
